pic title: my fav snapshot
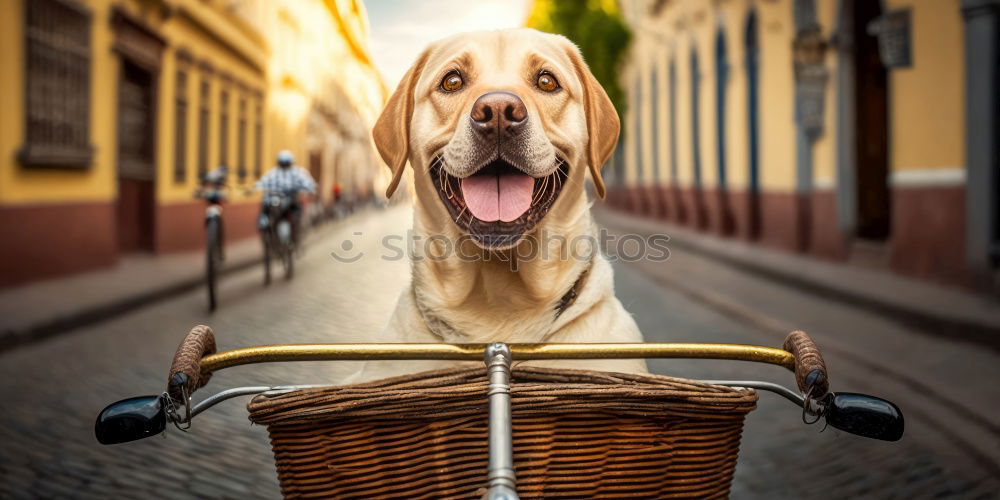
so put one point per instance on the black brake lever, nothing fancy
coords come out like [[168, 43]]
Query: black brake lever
[[864, 415], [131, 419]]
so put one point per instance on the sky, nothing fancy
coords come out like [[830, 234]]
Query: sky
[[400, 29]]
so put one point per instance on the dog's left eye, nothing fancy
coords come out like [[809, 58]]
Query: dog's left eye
[[547, 82]]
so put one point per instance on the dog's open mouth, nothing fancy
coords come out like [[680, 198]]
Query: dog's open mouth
[[499, 203]]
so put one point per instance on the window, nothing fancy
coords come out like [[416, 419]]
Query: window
[[654, 94], [224, 128], [673, 122], [258, 139], [57, 106], [241, 141], [180, 128], [203, 116], [721, 76], [695, 119]]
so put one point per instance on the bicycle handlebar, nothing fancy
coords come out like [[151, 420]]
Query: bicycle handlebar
[[196, 359]]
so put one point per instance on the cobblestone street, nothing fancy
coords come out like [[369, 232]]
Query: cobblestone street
[[53, 390]]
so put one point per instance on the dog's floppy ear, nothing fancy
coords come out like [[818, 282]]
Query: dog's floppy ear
[[391, 132], [603, 125]]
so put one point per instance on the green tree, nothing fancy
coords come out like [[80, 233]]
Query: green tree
[[596, 26]]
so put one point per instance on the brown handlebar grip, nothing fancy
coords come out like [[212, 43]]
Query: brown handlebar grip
[[185, 371], [810, 370]]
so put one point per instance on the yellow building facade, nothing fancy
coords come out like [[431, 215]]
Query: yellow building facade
[[324, 91], [114, 109], [836, 128]]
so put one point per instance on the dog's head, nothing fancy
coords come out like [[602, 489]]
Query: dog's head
[[498, 124]]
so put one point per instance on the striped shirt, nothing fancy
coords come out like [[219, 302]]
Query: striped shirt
[[287, 179]]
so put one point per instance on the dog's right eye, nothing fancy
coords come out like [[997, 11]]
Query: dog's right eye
[[452, 82]]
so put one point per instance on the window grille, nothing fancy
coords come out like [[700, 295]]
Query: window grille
[[224, 128], [180, 128], [203, 117], [241, 141], [57, 105]]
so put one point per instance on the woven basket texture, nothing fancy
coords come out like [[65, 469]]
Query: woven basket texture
[[577, 434]]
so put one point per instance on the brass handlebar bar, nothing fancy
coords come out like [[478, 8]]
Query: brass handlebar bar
[[196, 358], [474, 352]]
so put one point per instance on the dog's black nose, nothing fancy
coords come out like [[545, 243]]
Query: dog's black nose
[[499, 112]]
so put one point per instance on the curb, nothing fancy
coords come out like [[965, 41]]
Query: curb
[[52, 327], [984, 334]]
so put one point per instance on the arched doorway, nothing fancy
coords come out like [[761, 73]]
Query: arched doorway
[[636, 197], [751, 44], [700, 215]]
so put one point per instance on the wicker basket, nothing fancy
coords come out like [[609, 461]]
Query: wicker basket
[[577, 434]]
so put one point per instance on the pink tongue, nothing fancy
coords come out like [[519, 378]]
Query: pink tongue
[[491, 197]]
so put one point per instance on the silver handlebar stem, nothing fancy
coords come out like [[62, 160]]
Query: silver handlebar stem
[[502, 481]]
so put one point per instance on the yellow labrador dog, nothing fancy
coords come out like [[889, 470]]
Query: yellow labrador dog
[[501, 128]]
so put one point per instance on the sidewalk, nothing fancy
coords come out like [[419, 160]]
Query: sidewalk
[[934, 309], [39, 310]]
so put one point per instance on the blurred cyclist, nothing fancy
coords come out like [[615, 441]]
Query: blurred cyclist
[[285, 179]]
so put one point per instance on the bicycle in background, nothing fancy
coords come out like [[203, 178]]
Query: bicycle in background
[[213, 191], [280, 212], [276, 224]]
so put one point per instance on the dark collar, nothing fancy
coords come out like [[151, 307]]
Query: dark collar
[[570, 296]]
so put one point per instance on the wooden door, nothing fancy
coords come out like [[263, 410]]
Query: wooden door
[[871, 112], [136, 166]]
